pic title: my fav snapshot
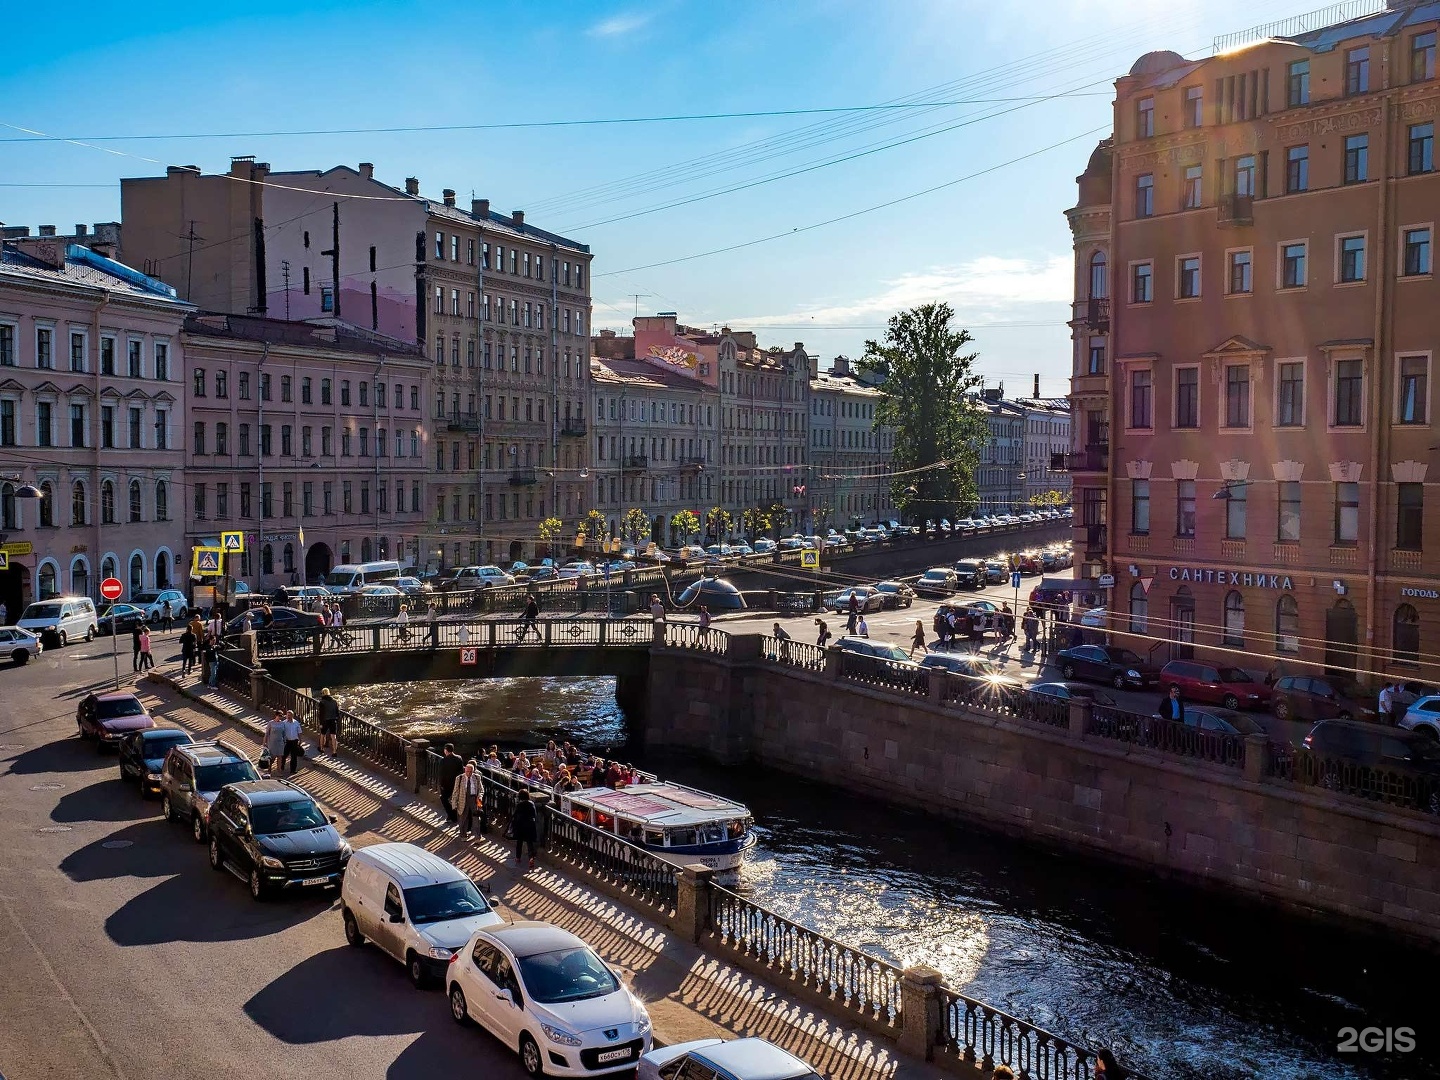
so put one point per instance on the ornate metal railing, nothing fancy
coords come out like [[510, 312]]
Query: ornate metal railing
[[793, 653], [1408, 788], [854, 979], [422, 635], [378, 744], [640, 874], [1169, 736], [693, 636], [986, 1038], [234, 676], [890, 674]]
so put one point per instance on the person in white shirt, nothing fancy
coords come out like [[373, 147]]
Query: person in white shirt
[[402, 620], [466, 798], [863, 627], [293, 748]]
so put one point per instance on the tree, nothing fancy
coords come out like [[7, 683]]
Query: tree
[[753, 520], [718, 522], [549, 531], [634, 524], [593, 528], [1050, 499], [686, 524], [930, 385], [775, 516]]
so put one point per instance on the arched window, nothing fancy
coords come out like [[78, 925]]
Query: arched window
[[135, 500], [77, 503], [107, 502], [9, 519], [137, 573], [1406, 635], [46, 580], [162, 570], [1234, 619], [267, 559], [289, 558], [79, 578], [1287, 625], [365, 549], [47, 506], [1139, 609], [107, 566], [1099, 287], [162, 501]]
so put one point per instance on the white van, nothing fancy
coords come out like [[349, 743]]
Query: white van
[[414, 905], [352, 577], [61, 619]]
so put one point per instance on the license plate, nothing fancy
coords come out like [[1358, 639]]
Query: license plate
[[607, 1056], [315, 881]]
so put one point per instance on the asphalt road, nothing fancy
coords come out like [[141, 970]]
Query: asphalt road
[[125, 955]]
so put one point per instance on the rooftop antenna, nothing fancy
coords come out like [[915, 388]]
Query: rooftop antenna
[[285, 278], [638, 296]]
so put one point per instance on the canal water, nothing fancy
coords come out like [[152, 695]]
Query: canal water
[[1180, 982]]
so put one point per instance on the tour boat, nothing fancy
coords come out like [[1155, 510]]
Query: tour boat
[[676, 822]]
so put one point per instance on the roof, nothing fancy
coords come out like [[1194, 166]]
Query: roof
[[412, 865], [1381, 24], [844, 384], [330, 335], [752, 1059], [116, 695], [260, 792], [529, 938], [642, 375], [208, 753], [661, 804], [85, 269]]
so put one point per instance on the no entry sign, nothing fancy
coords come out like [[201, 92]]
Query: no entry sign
[[111, 588]]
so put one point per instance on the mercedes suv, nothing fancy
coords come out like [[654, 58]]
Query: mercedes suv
[[273, 836], [193, 775]]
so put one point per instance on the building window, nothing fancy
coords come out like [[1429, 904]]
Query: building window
[[1287, 625], [1140, 398], [1245, 176], [1241, 281], [1187, 397], [1349, 393], [1098, 284], [1189, 283], [1410, 502], [135, 505], [45, 423], [1235, 511], [1405, 633], [162, 501], [1145, 118], [1297, 83], [1184, 507], [1290, 395], [45, 348], [107, 503], [1421, 148], [1140, 507], [1297, 169], [77, 503], [1414, 390], [1237, 395], [1352, 258], [1287, 522], [77, 352], [1357, 158], [1194, 106], [1415, 245], [197, 439], [1292, 265], [1142, 283], [1193, 191], [1095, 359], [1145, 195], [327, 298], [1234, 619], [1347, 513], [1422, 57], [1357, 71], [1139, 609]]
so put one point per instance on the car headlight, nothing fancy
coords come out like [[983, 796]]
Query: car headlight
[[1132, 673], [438, 953], [642, 1025], [152, 776], [560, 1036], [269, 862], [202, 807], [346, 850]]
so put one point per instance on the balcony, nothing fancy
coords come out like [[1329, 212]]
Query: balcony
[[1235, 210], [464, 422], [1096, 537], [574, 427], [637, 461], [1093, 459], [523, 477], [1093, 314], [692, 463]]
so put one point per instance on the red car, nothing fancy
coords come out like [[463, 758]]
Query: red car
[[1225, 686], [108, 718]]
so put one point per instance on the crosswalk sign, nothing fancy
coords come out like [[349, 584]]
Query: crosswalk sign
[[232, 543], [207, 560], [4, 560], [810, 559]]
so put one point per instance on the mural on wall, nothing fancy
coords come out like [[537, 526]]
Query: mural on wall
[[674, 355]]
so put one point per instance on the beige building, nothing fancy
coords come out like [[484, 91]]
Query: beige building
[[849, 475]]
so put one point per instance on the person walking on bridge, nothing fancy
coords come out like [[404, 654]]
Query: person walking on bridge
[[466, 796], [528, 619], [449, 771], [329, 711], [524, 823], [918, 640]]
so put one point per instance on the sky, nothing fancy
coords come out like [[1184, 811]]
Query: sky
[[964, 128]]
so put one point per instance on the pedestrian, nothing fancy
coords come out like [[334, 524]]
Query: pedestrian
[[448, 771], [657, 609], [824, 633], [216, 626], [918, 640], [212, 661], [147, 659], [272, 750], [1107, 1068], [294, 748], [1003, 1072], [1387, 702], [329, 710], [523, 823], [863, 627], [1399, 703], [1031, 625], [4, 613], [1007, 622], [783, 640], [852, 610], [528, 620], [197, 627], [704, 619], [187, 650], [466, 795], [1172, 706], [135, 645], [166, 616], [402, 620]]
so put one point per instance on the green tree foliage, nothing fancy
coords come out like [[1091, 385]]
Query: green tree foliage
[[717, 522], [930, 383], [593, 528], [634, 524], [686, 524], [1049, 499]]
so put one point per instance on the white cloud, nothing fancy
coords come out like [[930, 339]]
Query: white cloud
[[985, 289], [619, 25]]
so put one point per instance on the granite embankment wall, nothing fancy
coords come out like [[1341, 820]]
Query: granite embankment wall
[[1316, 850]]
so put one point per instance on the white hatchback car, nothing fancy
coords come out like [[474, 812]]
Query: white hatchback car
[[543, 992], [725, 1059], [21, 645]]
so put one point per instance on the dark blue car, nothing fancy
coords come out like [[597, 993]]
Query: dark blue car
[[142, 755]]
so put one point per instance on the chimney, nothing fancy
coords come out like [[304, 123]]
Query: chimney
[[1037, 387], [81, 230], [480, 209], [517, 218], [367, 170], [47, 230], [46, 248], [840, 366], [412, 186], [449, 194]]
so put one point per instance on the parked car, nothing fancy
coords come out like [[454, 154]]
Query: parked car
[[1373, 745], [273, 836], [1064, 691], [937, 581], [306, 597], [1222, 721], [970, 574], [764, 546], [867, 599], [154, 603], [61, 619], [22, 645], [880, 650], [1304, 697], [1111, 664], [281, 618], [1423, 717], [118, 618], [730, 1059], [972, 618], [537, 574], [996, 572], [895, 594], [543, 992], [473, 577], [412, 904], [108, 718], [142, 756], [192, 776], [976, 678], [1219, 685]]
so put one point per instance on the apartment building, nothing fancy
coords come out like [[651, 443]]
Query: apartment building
[[1254, 330], [502, 309], [1046, 442], [308, 438], [1000, 473], [849, 476], [91, 414], [765, 404]]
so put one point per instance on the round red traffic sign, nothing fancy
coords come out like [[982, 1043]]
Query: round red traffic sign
[[111, 588]]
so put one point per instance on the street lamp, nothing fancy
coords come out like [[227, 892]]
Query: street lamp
[[24, 491]]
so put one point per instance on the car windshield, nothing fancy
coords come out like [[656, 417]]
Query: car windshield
[[935, 575], [42, 611], [157, 746], [1234, 674], [214, 777], [1125, 656], [448, 900], [344, 577], [144, 597], [110, 708], [566, 975], [286, 817], [891, 652]]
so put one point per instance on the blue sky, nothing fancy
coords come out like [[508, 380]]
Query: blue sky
[[996, 246]]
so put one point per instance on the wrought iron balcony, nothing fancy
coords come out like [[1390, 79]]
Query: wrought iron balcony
[[523, 477], [1235, 210], [692, 462], [574, 427], [1093, 313], [1093, 459], [464, 422], [637, 461]]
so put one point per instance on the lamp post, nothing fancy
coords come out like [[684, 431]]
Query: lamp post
[[22, 491]]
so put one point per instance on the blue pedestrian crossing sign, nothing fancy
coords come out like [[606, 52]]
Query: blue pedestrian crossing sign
[[207, 560], [810, 559], [232, 543], [1015, 579]]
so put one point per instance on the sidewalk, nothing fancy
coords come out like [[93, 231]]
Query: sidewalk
[[691, 994]]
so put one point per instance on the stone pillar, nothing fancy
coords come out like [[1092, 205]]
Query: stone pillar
[[416, 762], [1257, 757], [375, 638], [541, 799], [249, 648], [920, 1017], [832, 663], [742, 647], [939, 685], [1081, 706], [692, 901], [657, 630], [258, 676]]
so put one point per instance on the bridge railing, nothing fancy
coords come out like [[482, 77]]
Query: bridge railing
[[890, 674], [423, 634], [1407, 788], [693, 636], [613, 859], [378, 744], [793, 653], [985, 1037], [1169, 736]]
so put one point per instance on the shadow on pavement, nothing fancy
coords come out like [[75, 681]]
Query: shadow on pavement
[[150, 848], [107, 800], [61, 756]]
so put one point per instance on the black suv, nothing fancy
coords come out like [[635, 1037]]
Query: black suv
[[193, 775], [273, 836]]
